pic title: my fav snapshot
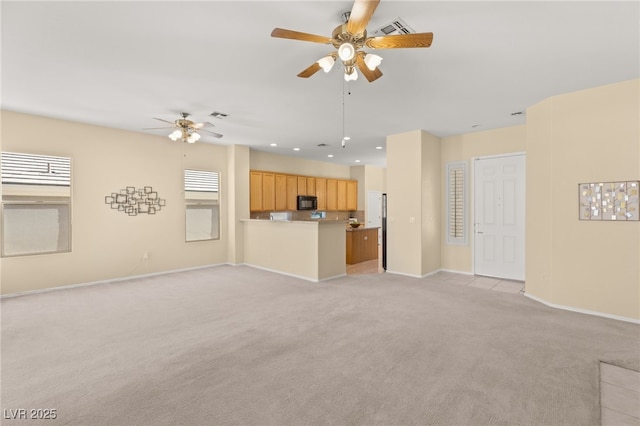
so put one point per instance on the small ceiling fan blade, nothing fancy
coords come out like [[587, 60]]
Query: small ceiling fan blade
[[364, 69], [165, 121], [361, 13], [214, 134], [400, 41], [311, 70], [201, 125], [296, 35]]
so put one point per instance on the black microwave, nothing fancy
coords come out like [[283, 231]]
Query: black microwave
[[307, 202]]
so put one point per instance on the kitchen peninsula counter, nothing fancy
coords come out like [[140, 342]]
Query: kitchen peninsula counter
[[307, 249]]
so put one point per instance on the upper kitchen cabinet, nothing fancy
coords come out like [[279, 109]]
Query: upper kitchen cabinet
[[268, 191], [332, 194], [281, 192], [311, 186], [321, 193], [292, 192], [352, 195], [255, 196], [278, 192]]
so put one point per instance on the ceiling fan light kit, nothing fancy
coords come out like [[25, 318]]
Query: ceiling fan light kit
[[326, 63], [187, 130], [350, 37]]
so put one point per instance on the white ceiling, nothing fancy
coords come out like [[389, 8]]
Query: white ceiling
[[119, 64]]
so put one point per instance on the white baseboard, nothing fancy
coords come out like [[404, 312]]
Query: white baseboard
[[313, 280], [453, 271], [582, 311], [428, 274], [106, 281]]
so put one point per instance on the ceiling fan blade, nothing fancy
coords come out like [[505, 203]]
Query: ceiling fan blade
[[361, 13], [214, 134], [311, 70], [296, 35], [165, 121], [201, 125], [400, 41], [364, 69]]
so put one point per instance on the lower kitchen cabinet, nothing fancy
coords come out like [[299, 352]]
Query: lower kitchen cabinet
[[362, 245]]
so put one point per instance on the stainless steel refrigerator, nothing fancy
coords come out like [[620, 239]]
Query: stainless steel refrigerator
[[384, 231]]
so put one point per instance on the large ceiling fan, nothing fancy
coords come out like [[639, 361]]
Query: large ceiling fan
[[185, 129], [349, 38]]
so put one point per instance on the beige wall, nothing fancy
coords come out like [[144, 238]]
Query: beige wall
[[237, 189], [107, 244], [463, 148], [370, 178], [413, 210], [587, 136], [280, 163]]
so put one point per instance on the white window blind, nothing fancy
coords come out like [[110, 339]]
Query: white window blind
[[200, 181], [456, 203], [36, 204], [31, 169]]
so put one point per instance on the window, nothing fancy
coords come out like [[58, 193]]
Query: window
[[456, 203], [36, 204], [202, 212]]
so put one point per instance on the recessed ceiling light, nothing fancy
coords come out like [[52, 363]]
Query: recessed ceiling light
[[296, 149], [378, 147], [357, 161], [330, 155], [347, 138], [274, 144]]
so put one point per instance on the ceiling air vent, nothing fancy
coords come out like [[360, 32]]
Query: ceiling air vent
[[322, 145], [217, 114], [395, 27]]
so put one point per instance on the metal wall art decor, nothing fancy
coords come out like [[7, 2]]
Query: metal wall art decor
[[610, 201], [132, 201]]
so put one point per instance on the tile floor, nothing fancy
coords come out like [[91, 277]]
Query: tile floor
[[619, 396], [488, 283]]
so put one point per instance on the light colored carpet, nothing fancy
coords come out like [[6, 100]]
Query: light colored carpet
[[236, 345]]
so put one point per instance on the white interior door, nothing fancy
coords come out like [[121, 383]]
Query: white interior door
[[374, 212], [499, 211]]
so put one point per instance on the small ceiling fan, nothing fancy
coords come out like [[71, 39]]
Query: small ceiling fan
[[349, 38], [185, 129]]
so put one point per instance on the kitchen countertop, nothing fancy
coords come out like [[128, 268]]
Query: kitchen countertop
[[311, 221], [361, 228]]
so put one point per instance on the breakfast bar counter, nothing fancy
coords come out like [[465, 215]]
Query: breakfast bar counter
[[308, 249]]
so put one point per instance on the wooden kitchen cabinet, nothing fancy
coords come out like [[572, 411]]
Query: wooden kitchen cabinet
[[342, 195], [332, 194], [255, 198], [271, 191], [311, 186], [280, 192], [362, 245], [321, 193], [292, 192], [268, 191], [352, 195], [302, 186]]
